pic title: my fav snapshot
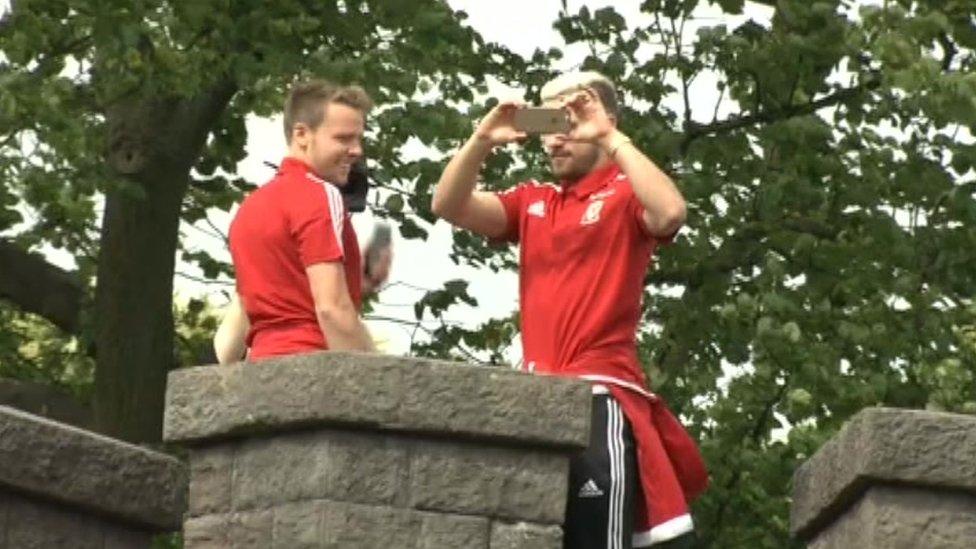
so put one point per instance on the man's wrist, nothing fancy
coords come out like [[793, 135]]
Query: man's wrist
[[480, 144], [612, 143]]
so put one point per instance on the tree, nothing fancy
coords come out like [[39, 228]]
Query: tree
[[826, 265], [121, 118]]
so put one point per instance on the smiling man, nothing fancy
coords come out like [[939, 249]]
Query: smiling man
[[586, 243], [294, 249]]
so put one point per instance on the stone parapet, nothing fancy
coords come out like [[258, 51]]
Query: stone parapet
[[890, 479], [61, 486], [356, 450]]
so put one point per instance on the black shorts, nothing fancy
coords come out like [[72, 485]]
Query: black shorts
[[603, 486]]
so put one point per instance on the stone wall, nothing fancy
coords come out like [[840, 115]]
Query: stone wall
[[351, 450], [64, 487], [892, 479]]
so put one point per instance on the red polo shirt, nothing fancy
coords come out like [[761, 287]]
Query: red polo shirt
[[293, 221], [584, 253]]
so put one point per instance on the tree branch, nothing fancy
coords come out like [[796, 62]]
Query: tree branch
[[949, 49], [694, 130], [38, 287]]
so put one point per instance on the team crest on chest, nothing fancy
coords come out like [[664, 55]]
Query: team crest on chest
[[537, 208], [592, 213]]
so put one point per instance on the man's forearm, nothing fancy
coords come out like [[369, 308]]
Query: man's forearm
[[459, 178], [229, 340], [344, 331], [653, 188]]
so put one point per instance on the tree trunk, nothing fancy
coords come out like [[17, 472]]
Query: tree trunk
[[134, 307], [152, 145]]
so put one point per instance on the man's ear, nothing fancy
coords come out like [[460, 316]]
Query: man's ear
[[300, 134]]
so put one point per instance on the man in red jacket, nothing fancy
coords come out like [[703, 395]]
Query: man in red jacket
[[585, 245], [295, 252]]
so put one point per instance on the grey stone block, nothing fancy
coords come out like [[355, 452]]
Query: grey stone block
[[335, 465], [210, 479], [438, 531], [878, 446], [124, 538], [902, 517], [250, 530], [33, 524], [67, 464], [376, 392], [338, 525], [362, 526], [495, 482], [206, 532], [525, 536], [298, 525], [30, 523]]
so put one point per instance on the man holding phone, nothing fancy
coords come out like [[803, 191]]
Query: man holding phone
[[585, 245], [294, 249]]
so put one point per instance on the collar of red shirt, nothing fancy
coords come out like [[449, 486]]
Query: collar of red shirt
[[290, 164], [593, 181]]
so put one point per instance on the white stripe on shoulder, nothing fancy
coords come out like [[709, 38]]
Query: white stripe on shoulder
[[337, 211], [316, 178]]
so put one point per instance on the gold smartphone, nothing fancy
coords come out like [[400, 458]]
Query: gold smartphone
[[541, 120]]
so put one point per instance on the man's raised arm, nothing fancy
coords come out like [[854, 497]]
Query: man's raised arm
[[455, 198]]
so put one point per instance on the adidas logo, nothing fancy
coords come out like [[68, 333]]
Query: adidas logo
[[590, 490], [537, 208]]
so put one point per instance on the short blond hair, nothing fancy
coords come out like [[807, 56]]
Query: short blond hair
[[578, 80], [307, 100]]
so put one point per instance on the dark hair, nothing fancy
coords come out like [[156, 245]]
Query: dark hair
[[307, 100], [608, 96]]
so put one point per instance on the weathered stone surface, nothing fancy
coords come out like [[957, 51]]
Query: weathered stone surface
[[66, 464], [525, 536], [376, 392], [298, 525], [336, 465], [119, 538], [330, 524], [347, 450], [379, 469], [210, 479], [438, 531], [251, 530], [206, 532], [495, 482], [901, 517], [27, 523], [879, 446]]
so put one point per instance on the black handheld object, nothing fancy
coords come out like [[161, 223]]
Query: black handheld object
[[355, 189]]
